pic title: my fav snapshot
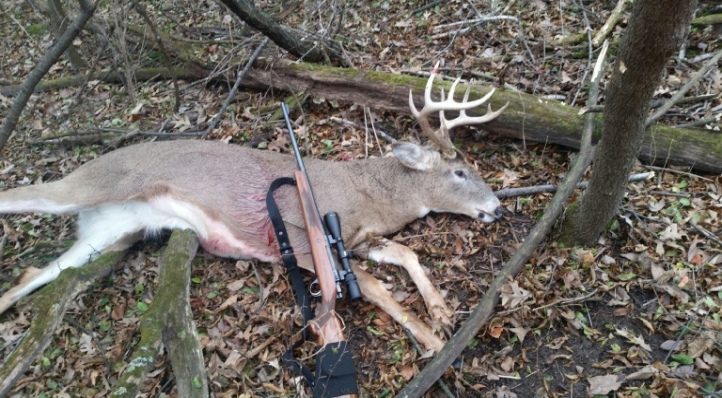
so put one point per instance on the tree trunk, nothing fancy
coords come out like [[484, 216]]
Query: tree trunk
[[307, 50], [656, 30]]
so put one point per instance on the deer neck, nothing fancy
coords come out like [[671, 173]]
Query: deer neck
[[373, 197]]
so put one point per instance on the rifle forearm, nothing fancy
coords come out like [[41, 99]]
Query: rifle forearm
[[322, 260]]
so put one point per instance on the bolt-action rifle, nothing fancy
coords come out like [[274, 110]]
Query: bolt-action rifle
[[335, 372]]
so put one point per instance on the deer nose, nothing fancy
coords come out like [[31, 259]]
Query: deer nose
[[499, 212]]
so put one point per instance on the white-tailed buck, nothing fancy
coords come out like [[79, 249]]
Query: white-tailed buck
[[219, 190]]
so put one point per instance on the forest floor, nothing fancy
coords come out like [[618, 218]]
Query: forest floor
[[636, 315]]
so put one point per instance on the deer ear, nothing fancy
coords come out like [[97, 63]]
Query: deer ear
[[415, 156]]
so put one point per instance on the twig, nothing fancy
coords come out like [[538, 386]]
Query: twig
[[101, 346], [707, 234], [697, 123], [700, 58], [261, 300], [83, 86], [3, 241], [665, 169], [477, 21], [131, 134], [588, 31], [27, 34], [508, 6], [685, 100], [422, 73], [424, 8], [243, 74], [591, 109], [667, 193], [567, 301], [606, 29], [682, 91], [357, 126], [376, 136], [366, 129], [474, 22], [513, 192], [415, 343]]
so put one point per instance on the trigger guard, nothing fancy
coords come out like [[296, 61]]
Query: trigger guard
[[314, 293]]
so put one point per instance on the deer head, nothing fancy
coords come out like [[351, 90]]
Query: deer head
[[455, 188]]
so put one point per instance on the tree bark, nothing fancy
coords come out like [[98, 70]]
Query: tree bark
[[307, 50], [179, 332], [169, 319], [656, 30], [528, 117]]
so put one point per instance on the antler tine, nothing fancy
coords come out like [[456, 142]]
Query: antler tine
[[422, 117], [426, 110], [464, 119]]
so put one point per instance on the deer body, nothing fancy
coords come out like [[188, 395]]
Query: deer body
[[219, 190]]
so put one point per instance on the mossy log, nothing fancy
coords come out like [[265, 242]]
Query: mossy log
[[712, 19], [169, 320], [528, 117], [49, 306]]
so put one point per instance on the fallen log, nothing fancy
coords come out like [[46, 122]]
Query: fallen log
[[168, 322], [49, 306], [528, 117]]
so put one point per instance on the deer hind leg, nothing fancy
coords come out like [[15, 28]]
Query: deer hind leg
[[393, 253], [100, 230], [374, 292]]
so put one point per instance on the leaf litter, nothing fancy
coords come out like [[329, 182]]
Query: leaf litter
[[636, 315]]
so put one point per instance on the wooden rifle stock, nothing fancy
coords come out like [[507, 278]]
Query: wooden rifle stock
[[335, 359]]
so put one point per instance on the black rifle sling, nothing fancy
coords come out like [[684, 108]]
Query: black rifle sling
[[335, 372], [289, 260]]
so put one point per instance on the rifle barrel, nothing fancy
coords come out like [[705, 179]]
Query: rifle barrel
[[296, 152]]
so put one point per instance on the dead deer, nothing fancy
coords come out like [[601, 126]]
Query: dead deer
[[218, 191]]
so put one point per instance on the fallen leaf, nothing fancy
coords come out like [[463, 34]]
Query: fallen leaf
[[603, 385], [512, 295], [644, 373]]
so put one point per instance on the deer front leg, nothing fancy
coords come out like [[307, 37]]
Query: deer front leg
[[393, 253], [374, 292]]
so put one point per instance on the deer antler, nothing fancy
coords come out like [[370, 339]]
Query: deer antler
[[441, 136]]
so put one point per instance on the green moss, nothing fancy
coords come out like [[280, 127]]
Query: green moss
[[37, 29], [328, 70]]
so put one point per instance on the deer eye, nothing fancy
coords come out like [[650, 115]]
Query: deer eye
[[460, 173]]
